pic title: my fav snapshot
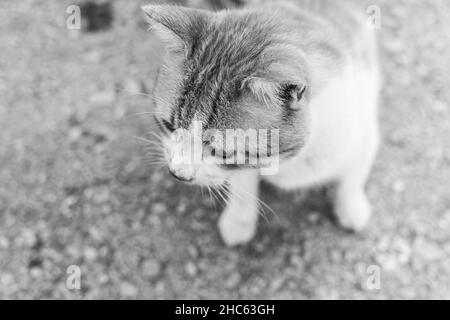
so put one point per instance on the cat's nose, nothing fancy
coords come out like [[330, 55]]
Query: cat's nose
[[181, 177]]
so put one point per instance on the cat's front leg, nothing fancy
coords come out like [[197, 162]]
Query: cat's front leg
[[238, 222], [352, 207]]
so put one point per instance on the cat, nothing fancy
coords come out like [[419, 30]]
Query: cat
[[305, 68]]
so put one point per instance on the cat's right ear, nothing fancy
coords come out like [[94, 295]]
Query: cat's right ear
[[174, 25]]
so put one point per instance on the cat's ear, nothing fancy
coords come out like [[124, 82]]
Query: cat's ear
[[264, 90], [174, 25], [295, 96]]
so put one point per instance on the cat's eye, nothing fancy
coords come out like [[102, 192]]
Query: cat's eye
[[301, 92]]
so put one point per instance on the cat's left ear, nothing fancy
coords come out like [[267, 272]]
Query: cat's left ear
[[175, 26]]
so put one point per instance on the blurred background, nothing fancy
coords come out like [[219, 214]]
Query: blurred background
[[78, 188]]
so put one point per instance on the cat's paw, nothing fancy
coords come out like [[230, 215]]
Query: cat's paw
[[235, 231], [353, 212]]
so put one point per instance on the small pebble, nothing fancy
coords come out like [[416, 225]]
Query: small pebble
[[6, 279], [154, 220], [93, 56], [427, 251], [102, 98], [128, 290], [191, 269], [193, 252], [95, 234], [296, 261], [74, 252], [233, 280], [28, 238], [132, 86], [75, 134], [36, 273], [159, 208], [4, 243], [313, 217], [440, 108], [388, 262], [151, 268], [277, 284], [90, 254], [399, 187]]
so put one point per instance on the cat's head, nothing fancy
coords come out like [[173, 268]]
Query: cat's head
[[228, 73]]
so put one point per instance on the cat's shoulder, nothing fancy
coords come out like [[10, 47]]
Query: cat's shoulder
[[339, 27], [346, 19]]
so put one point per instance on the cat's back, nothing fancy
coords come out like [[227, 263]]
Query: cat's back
[[341, 24], [343, 15]]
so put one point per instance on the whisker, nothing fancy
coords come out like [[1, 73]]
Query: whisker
[[153, 151], [144, 113], [209, 192], [221, 195], [149, 161], [260, 209], [155, 157], [155, 162], [213, 195], [155, 147], [261, 204], [201, 190], [156, 143], [210, 197], [152, 97], [156, 166], [157, 136], [134, 92], [222, 189]]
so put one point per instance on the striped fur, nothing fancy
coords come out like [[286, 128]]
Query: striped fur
[[235, 66], [305, 67], [230, 69]]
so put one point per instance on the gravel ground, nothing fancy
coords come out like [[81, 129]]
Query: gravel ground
[[77, 189]]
